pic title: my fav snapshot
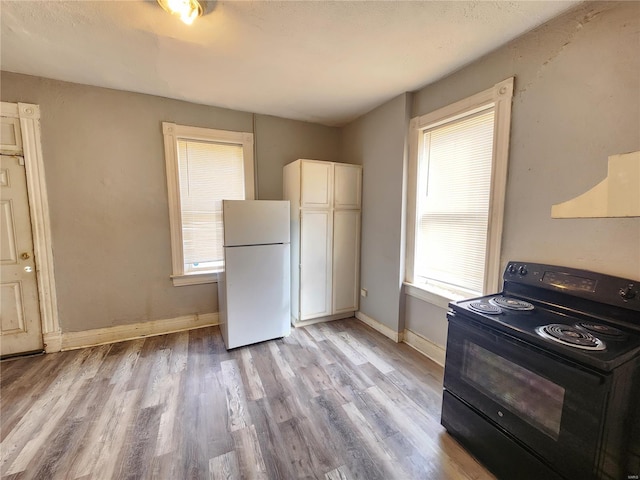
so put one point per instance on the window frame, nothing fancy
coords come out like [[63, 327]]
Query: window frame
[[172, 133], [499, 97]]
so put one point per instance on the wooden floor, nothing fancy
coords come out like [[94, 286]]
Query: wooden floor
[[332, 401]]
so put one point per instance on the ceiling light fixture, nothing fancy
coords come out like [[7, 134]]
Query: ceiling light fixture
[[187, 10]]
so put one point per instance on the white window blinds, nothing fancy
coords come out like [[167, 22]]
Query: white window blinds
[[453, 202], [209, 173]]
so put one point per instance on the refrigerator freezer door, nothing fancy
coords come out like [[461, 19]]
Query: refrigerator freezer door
[[255, 222], [258, 294]]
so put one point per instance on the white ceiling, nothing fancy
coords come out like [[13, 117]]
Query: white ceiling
[[320, 61]]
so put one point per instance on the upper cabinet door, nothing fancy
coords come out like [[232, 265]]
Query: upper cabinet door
[[348, 186], [317, 184]]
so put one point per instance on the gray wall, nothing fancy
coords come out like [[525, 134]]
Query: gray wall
[[281, 141], [105, 173], [378, 142], [576, 101]]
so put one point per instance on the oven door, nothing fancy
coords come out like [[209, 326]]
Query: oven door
[[554, 409]]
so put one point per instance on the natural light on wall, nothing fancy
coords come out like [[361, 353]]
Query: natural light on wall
[[187, 10]]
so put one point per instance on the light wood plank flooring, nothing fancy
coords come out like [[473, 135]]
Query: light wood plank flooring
[[331, 401]]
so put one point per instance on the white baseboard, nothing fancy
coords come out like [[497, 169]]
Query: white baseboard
[[380, 327], [425, 346], [52, 342], [328, 318], [121, 333]]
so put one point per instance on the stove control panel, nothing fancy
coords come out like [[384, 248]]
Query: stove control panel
[[517, 269], [594, 286], [565, 281]]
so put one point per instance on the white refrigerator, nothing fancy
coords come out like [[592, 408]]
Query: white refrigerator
[[254, 296]]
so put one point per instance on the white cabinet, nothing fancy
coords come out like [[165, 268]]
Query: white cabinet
[[325, 238], [348, 186], [346, 260], [315, 263], [316, 189]]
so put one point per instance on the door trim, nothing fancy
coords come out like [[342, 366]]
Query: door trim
[[29, 115]]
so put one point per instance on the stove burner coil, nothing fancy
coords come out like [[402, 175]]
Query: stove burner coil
[[487, 308], [511, 303], [570, 336], [601, 329]]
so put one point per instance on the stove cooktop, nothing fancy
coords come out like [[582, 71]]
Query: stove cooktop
[[597, 343]]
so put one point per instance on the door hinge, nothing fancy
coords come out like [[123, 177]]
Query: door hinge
[[20, 160]]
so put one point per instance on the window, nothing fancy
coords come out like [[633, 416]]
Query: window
[[458, 175], [204, 166]]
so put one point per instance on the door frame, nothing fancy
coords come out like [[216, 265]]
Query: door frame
[[29, 116]]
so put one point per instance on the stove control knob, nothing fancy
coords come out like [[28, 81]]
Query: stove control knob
[[627, 293], [512, 269], [523, 270]]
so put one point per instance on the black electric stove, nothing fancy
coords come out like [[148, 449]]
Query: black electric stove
[[542, 379]]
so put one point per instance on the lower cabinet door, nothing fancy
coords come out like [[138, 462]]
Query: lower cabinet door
[[346, 255], [315, 263]]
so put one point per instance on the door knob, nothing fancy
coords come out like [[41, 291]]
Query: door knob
[[25, 256]]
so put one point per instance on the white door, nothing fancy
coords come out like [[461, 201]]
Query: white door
[[20, 327], [315, 263], [346, 254], [317, 184], [347, 186]]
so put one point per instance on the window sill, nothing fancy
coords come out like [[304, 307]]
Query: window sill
[[194, 279], [439, 297]]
